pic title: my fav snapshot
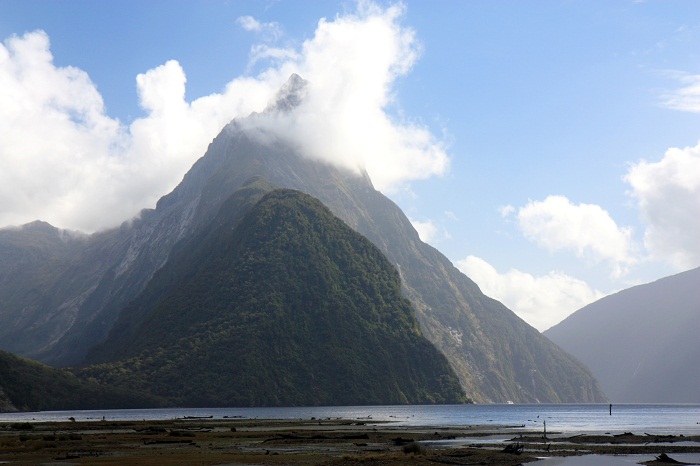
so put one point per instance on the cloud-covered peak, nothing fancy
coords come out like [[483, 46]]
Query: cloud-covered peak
[[290, 95], [66, 161]]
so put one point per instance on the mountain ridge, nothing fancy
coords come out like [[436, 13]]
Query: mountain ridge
[[640, 342], [497, 356]]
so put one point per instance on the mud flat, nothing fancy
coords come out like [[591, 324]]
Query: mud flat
[[196, 441]]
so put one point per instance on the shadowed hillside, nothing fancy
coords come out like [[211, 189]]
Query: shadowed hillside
[[27, 385]]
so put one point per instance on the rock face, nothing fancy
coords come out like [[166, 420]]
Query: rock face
[[6, 405], [641, 343], [496, 355], [279, 305]]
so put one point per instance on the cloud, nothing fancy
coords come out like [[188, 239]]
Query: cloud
[[351, 64], [55, 136], [687, 98], [427, 231], [585, 229], [272, 30], [506, 210], [263, 52], [65, 161], [540, 301], [269, 33], [668, 195]]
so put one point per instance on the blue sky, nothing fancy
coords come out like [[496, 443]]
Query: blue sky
[[548, 148]]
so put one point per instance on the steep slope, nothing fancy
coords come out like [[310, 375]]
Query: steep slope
[[30, 386], [496, 355], [641, 343], [41, 284], [28, 264], [285, 306]]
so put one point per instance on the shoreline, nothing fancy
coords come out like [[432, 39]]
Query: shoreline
[[207, 441]]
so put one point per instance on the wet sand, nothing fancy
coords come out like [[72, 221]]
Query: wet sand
[[305, 442]]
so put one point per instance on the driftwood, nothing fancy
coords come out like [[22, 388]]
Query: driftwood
[[514, 448]]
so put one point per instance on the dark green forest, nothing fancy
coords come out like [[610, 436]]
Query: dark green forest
[[284, 306], [32, 386]]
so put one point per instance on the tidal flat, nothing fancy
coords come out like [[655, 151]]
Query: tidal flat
[[308, 442]]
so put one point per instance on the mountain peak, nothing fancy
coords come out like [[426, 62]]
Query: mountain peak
[[290, 95], [495, 354]]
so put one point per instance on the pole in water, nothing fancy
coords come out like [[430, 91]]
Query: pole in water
[[610, 409], [545, 429]]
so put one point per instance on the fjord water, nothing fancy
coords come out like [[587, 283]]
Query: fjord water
[[565, 418]]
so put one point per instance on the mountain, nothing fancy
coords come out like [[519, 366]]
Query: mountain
[[50, 279], [30, 386], [285, 306], [641, 343], [496, 355]]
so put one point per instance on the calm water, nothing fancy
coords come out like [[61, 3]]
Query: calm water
[[566, 418]]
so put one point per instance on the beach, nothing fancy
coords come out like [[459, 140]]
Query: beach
[[198, 441]]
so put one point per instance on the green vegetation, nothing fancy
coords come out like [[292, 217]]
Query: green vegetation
[[284, 306], [32, 386]]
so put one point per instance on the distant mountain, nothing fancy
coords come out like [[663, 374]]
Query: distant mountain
[[52, 280], [284, 306], [26, 385], [80, 294], [641, 343]]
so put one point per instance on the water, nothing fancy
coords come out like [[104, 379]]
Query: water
[[565, 418], [614, 460]]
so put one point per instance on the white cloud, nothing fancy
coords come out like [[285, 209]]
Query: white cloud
[[272, 30], [249, 23], [687, 98], [668, 193], [64, 160], [261, 52], [540, 301], [55, 136], [427, 231], [506, 210], [586, 229]]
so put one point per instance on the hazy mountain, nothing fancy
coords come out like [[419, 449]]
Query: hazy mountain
[[285, 306], [46, 275], [641, 343], [27, 385], [495, 354]]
